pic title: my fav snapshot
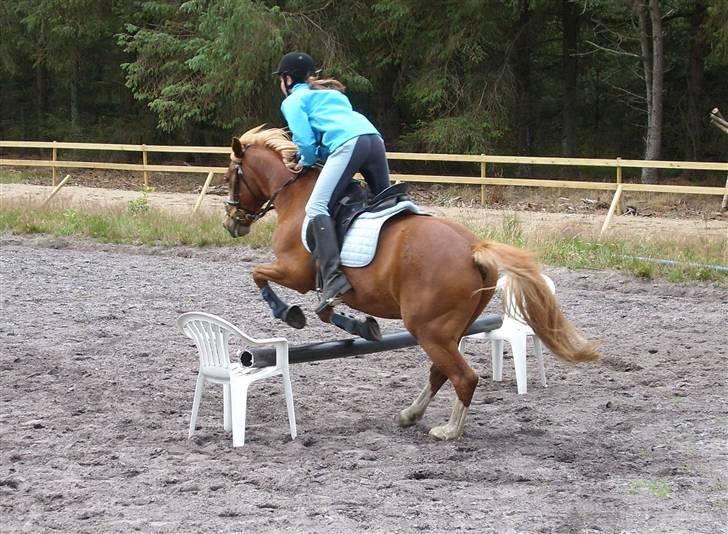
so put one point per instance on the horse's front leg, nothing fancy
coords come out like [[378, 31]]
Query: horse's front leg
[[292, 315]]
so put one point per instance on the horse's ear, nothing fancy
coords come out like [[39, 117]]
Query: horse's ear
[[237, 148]]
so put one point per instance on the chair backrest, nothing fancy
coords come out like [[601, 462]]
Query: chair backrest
[[211, 335], [511, 312]]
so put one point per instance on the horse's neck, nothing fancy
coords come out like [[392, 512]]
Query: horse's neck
[[290, 211], [273, 175], [291, 203]]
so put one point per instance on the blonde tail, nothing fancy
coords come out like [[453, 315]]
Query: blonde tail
[[534, 301]]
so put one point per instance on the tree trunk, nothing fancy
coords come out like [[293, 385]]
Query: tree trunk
[[570, 22], [41, 87], [75, 77], [695, 69], [75, 81], [522, 71], [597, 103], [386, 110], [651, 44], [4, 86]]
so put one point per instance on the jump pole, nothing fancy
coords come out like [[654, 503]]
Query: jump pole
[[329, 350]]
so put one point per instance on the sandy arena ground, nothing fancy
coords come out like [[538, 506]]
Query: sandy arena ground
[[97, 387]]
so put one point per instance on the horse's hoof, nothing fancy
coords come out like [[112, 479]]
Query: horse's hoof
[[371, 330], [445, 432], [407, 418], [293, 316]]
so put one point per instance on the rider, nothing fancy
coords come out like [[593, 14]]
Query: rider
[[325, 127]]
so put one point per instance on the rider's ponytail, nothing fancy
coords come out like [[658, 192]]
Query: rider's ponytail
[[327, 83]]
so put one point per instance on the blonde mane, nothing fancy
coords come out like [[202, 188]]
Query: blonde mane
[[276, 139]]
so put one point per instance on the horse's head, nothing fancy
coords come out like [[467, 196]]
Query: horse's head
[[255, 182], [243, 206]]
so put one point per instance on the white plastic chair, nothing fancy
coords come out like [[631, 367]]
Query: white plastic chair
[[516, 332], [211, 335]]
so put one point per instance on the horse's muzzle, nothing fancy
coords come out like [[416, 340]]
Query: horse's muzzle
[[236, 228]]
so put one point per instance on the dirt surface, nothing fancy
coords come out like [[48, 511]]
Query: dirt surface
[[585, 224], [97, 387]]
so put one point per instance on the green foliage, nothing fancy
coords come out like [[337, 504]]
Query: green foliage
[[10, 177], [451, 87], [140, 205], [202, 61], [451, 76], [513, 230], [468, 134], [72, 219], [655, 487], [59, 70], [718, 32], [150, 227]]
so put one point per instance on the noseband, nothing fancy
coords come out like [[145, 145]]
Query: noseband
[[232, 204]]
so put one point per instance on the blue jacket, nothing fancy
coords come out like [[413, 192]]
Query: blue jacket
[[321, 120]]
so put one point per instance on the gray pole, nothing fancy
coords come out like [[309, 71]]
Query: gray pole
[[328, 350]]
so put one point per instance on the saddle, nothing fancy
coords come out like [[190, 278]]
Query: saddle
[[357, 200]]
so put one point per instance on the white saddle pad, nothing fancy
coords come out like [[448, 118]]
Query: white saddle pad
[[360, 243]]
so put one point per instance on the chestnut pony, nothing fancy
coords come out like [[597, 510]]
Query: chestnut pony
[[432, 273]]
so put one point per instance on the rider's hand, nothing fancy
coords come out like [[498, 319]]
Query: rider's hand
[[296, 158]]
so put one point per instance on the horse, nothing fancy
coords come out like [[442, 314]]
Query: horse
[[433, 274]]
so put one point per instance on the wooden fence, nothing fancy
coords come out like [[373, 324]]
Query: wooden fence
[[617, 185]]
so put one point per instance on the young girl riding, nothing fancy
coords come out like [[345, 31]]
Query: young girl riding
[[325, 127]]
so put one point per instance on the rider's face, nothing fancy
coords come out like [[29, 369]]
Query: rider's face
[[284, 81]]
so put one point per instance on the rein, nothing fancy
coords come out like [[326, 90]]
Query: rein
[[250, 216]]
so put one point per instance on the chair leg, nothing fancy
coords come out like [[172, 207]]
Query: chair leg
[[538, 350], [461, 345], [199, 390], [496, 353], [227, 421], [518, 347], [238, 407], [288, 391]]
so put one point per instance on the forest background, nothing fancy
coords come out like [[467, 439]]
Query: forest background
[[587, 78]]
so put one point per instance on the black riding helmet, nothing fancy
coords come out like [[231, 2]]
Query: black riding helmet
[[298, 65]]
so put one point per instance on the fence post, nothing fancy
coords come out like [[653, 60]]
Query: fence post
[[144, 162], [620, 205], [203, 192], [55, 159], [483, 165], [55, 191], [610, 213]]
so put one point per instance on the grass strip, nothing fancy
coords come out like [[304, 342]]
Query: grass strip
[[138, 224]]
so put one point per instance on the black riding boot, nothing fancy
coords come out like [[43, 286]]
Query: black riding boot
[[326, 251]]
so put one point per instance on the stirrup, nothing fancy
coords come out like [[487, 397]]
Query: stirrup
[[338, 286], [330, 302]]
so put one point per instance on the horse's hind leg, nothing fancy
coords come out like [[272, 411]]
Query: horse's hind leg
[[409, 416], [446, 357], [367, 328]]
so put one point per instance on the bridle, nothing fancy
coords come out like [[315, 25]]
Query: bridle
[[232, 204]]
